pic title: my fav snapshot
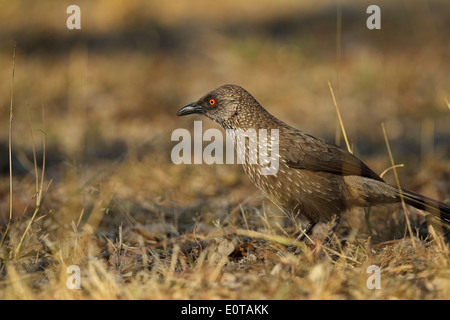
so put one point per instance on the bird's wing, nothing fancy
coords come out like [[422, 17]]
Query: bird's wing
[[313, 154]]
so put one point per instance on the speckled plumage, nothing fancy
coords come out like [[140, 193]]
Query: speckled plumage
[[315, 179]]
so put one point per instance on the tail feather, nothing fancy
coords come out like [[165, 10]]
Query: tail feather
[[439, 210]]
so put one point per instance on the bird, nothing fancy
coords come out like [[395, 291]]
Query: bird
[[316, 181]]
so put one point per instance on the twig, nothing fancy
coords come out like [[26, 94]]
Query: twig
[[398, 185], [39, 186], [11, 116], [340, 119], [391, 167]]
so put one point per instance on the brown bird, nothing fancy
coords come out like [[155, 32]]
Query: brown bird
[[315, 180]]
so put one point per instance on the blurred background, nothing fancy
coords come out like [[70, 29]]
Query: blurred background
[[106, 96]]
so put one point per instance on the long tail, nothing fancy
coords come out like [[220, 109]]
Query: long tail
[[439, 210]]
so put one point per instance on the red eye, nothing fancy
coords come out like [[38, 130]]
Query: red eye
[[212, 102]]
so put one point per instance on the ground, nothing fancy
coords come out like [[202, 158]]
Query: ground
[[97, 106]]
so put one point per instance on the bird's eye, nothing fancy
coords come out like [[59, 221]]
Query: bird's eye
[[212, 102]]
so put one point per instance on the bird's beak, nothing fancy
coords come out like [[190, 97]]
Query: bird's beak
[[190, 109]]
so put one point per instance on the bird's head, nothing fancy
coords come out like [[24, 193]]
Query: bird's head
[[221, 104]]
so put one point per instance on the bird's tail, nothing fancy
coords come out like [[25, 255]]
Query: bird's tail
[[439, 210]]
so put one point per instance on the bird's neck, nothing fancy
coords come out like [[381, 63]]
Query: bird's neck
[[253, 119]]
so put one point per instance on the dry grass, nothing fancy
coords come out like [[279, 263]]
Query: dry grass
[[110, 200]]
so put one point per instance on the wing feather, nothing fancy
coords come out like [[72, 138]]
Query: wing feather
[[315, 154]]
